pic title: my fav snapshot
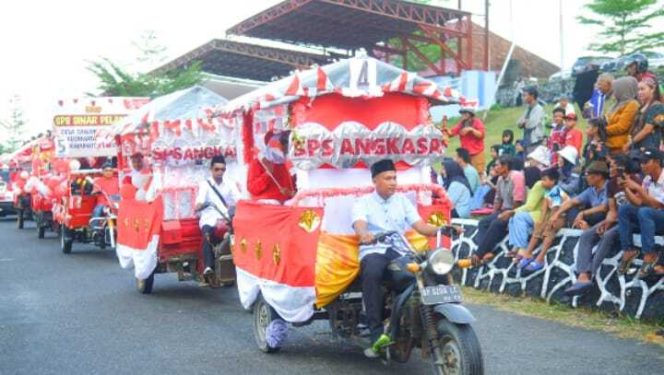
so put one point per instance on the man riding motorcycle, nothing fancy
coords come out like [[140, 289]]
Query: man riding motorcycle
[[215, 199], [384, 210]]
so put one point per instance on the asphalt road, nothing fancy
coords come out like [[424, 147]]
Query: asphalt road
[[80, 314]]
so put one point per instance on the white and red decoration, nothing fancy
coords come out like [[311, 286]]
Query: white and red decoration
[[77, 123]]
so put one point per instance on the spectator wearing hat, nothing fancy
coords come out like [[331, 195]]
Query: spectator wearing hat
[[573, 136], [569, 181], [603, 237], [566, 105], [463, 159], [622, 115], [591, 204], [471, 135], [539, 158], [647, 129], [532, 121], [557, 136], [644, 213]]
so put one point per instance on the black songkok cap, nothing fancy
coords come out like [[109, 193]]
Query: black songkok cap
[[382, 166]]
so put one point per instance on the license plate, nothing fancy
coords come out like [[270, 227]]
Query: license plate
[[434, 295]]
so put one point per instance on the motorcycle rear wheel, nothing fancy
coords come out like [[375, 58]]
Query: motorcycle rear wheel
[[460, 350]]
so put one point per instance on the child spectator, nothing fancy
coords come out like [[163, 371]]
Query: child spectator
[[557, 136], [573, 136], [568, 180], [507, 147]]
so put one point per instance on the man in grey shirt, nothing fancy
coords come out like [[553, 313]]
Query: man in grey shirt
[[532, 121]]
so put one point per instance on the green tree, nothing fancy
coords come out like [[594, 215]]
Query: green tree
[[115, 80], [626, 25], [14, 127]]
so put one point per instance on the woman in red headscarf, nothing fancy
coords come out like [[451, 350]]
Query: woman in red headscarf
[[268, 177]]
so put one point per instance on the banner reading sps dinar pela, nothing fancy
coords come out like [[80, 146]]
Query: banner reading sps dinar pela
[[77, 122]]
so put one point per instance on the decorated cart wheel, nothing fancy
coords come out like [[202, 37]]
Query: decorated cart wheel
[[65, 240], [269, 329], [144, 286]]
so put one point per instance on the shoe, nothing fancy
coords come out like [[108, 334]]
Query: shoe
[[371, 354], [578, 288], [208, 271]]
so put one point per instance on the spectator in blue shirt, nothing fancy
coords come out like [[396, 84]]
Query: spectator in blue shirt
[[458, 189], [463, 159]]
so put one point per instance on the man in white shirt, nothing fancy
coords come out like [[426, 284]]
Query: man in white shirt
[[216, 197]]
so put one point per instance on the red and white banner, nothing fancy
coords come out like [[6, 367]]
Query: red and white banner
[[77, 122], [138, 228], [279, 263]]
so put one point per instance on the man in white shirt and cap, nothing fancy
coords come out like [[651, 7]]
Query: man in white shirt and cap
[[215, 200]]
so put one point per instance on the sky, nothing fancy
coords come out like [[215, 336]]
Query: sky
[[46, 45]]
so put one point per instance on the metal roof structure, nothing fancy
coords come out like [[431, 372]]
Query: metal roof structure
[[366, 24], [244, 60]]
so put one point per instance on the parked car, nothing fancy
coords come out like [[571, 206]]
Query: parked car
[[655, 60], [563, 74], [581, 63]]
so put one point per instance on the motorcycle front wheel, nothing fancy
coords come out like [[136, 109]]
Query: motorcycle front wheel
[[460, 350]]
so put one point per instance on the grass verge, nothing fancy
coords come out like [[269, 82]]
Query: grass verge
[[620, 326]]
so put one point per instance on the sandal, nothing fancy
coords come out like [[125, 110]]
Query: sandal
[[647, 269], [626, 263], [534, 266], [524, 262]]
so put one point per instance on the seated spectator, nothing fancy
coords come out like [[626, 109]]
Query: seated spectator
[[539, 158], [604, 234], [458, 189], [643, 212], [507, 147], [647, 129], [544, 230], [519, 150], [463, 159], [595, 148], [529, 215], [565, 104], [510, 194], [592, 200], [569, 181], [622, 115], [573, 136], [557, 136], [495, 152]]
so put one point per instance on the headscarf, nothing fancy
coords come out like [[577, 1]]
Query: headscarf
[[625, 90], [453, 172]]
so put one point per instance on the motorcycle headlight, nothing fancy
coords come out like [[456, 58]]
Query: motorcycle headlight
[[440, 262]]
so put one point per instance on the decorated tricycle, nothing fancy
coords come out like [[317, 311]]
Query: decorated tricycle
[[299, 261], [85, 210], [166, 150], [17, 197]]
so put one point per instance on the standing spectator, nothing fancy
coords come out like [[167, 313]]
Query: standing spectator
[[518, 87], [647, 129], [573, 136], [604, 234], [565, 104], [596, 106], [507, 147], [463, 159], [530, 214], [644, 212], [458, 189], [583, 85], [532, 121], [471, 134], [623, 113], [568, 180], [557, 136], [510, 194], [637, 67]]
